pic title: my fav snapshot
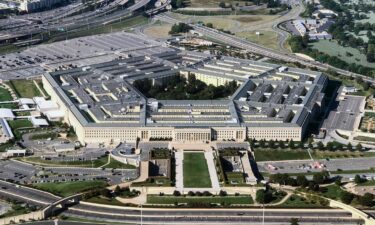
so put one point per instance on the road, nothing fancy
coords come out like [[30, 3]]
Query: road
[[258, 49], [176, 216]]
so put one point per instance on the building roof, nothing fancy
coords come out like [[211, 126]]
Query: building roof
[[37, 122], [6, 113]]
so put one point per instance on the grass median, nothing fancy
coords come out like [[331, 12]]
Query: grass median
[[70, 188]]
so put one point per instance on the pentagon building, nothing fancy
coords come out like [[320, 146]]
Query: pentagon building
[[272, 102]]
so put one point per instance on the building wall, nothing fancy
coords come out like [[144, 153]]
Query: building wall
[[273, 133], [101, 134]]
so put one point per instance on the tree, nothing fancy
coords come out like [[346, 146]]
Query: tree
[[349, 146], [106, 193], [263, 196], [294, 221], [210, 25], [358, 179], [366, 200], [321, 177], [358, 147], [346, 197], [291, 144], [222, 4], [302, 181], [320, 145]]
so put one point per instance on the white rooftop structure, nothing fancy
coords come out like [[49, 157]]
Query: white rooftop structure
[[6, 114], [26, 101], [38, 122], [46, 106], [54, 115], [5, 131]]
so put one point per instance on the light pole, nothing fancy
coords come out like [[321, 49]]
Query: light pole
[[263, 216]]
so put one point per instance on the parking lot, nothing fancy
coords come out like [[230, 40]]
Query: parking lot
[[75, 52], [24, 173], [347, 114], [304, 166]]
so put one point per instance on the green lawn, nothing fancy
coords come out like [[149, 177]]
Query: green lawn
[[332, 191], [195, 170], [5, 95], [5, 146], [276, 155], [70, 188], [117, 164], [16, 124], [105, 201], [295, 201], [156, 199], [24, 88], [51, 135], [367, 183]]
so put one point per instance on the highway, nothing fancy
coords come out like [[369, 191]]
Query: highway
[[176, 215], [108, 13], [258, 49]]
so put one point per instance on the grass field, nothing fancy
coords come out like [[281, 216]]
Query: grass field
[[5, 95], [158, 30], [334, 49], [24, 88], [195, 170], [267, 38], [70, 188], [106, 201], [156, 199], [232, 23], [116, 164]]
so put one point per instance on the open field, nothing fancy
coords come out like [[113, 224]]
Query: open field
[[333, 49], [232, 23], [196, 170], [158, 30], [156, 199], [25, 88], [70, 188], [266, 38]]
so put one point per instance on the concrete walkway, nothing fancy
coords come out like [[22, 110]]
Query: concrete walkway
[[179, 157], [212, 170]]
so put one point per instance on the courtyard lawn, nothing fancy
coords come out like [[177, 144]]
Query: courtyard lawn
[[16, 124], [5, 95], [24, 88], [168, 199], [195, 170], [70, 188]]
